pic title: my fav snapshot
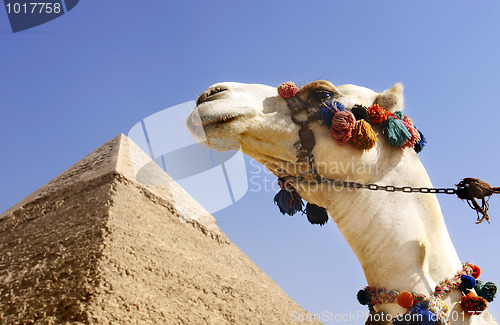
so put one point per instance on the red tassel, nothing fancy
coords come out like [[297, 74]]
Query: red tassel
[[342, 125], [377, 114], [287, 89]]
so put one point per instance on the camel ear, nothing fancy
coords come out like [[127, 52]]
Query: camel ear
[[391, 99]]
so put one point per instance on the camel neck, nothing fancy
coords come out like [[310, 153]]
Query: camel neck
[[400, 239]]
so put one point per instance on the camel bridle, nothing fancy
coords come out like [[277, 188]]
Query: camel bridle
[[468, 189]]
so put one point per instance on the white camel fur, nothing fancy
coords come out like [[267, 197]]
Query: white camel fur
[[400, 239]]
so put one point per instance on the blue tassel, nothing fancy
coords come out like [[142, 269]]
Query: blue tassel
[[396, 132], [329, 109], [316, 214], [467, 283], [421, 144], [427, 317], [288, 201]]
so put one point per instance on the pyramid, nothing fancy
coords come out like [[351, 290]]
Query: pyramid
[[114, 239]]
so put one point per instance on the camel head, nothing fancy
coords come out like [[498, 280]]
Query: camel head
[[256, 119]]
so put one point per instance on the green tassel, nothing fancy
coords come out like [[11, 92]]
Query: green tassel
[[479, 286], [396, 132], [488, 291], [399, 115]]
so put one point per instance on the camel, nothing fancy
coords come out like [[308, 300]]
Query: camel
[[400, 239]]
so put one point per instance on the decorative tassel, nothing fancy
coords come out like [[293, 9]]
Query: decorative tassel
[[363, 297], [408, 120], [377, 114], [427, 317], [467, 283], [360, 112], [476, 271], [342, 125], [399, 115], [329, 109], [287, 89], [405, 299], [473, 304], [415, 136], [338, 105], [487, 291], [363, 136], [316, 214], [421, 144], [396, 132], [288, 200], [479, 286]]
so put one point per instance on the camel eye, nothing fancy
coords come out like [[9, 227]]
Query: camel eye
[[320, 95]]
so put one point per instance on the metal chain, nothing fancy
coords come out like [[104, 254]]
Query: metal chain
[[391, 188], [373, 187]]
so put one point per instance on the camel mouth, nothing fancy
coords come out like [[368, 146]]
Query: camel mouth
[[217, 121], [212, 93]]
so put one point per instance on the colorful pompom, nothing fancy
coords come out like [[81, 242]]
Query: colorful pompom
[[287, 89], [428, 317], [415, 136], [420, 144], [408, 120], [405, 299], [338, 105], [479, 286], [363, 136], [467, 283], [473, 304], [343, 124], [425, 317], [377, 114], [363, 297], [288, 200], [476, 271], [328, 110], [360, 112], [396, 132], [488, 291], [399, 115], [316, 215]]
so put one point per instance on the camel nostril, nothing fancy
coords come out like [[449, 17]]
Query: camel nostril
[[210, 92], [215, 91]]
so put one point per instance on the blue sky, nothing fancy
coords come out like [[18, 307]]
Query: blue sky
[[68, 86]]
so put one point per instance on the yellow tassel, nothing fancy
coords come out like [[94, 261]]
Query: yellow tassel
[[363, 136]]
